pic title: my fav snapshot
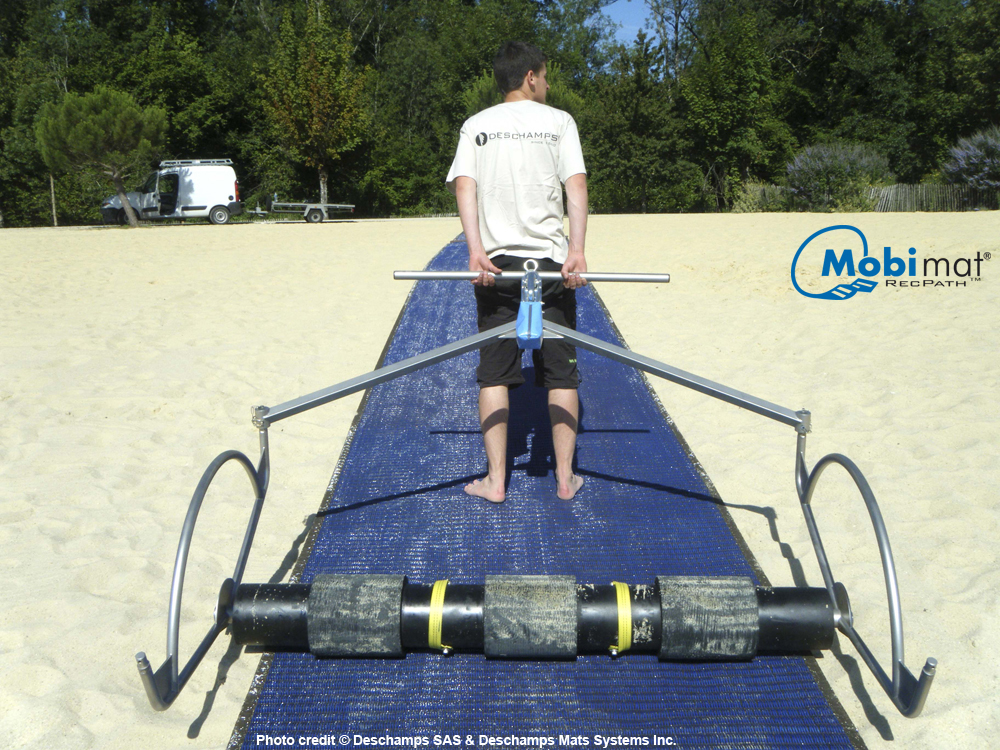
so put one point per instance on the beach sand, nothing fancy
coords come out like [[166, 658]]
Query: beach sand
[[131, 358]]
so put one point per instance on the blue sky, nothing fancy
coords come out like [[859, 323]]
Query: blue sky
[[631, 14]]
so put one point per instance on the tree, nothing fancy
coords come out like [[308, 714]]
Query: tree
[[673, 21], [105, 131], [728, 95], [12, 15], [631, 137], [934, 37], [575, 33], [170, 69], [978, 64], [873, 96], [313, 94], [436, 51]]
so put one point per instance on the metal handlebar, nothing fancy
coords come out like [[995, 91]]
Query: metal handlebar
[[650, 278]]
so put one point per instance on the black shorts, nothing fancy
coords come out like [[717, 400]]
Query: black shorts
[[500, 362]]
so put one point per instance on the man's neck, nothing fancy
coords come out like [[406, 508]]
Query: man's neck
[[517, 96]]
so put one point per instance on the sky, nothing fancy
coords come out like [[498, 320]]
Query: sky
[[630, 14]]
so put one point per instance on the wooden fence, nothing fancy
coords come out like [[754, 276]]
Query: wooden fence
[[935, 198]]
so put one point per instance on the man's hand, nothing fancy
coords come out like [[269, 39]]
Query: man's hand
[[575, 264], [480, 263]]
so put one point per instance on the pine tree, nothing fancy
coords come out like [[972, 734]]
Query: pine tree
[[105, 131]]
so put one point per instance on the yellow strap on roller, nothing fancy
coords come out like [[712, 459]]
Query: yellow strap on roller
[[624, 616], [436, 615]]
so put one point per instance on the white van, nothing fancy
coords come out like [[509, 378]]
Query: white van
[[182, 189]]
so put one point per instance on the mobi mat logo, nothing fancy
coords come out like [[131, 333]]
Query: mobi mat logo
[[840, 255]]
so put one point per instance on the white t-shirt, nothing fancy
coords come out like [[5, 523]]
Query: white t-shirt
[[519, 154]]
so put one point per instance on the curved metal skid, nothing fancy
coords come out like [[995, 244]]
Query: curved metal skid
[[908, 693], [163, 685]]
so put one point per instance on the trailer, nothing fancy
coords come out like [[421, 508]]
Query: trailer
[[313, 213]]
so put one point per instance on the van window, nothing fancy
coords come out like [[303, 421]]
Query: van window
[[168, 183], [150, 185]]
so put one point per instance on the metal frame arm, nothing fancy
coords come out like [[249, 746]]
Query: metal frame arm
[[382, 375], [270, 415], [907, 692], [694, 382]]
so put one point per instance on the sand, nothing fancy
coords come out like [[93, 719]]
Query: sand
[[130, 358]]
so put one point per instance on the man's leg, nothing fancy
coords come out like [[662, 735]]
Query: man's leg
[[564, 413], [494, 409]]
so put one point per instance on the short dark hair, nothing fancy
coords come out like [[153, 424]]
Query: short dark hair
[[512, 63]]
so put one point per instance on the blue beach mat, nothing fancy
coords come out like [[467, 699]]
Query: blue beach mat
[[397, 505]]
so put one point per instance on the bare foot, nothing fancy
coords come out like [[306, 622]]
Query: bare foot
[[486, 489], [566, 490]]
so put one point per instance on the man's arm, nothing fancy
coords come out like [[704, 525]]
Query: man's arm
[[468, 212], [576, 207]]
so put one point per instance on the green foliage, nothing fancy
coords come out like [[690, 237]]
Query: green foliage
[[730, 109], [483, 92], [561, 94], [171, 71], [874, 97], [632, 142], [935, 104], [312, 94], [977, 61], [975, 161], [419, 107], [105, 130], [756, 197], [837, 177], [718, 104], [673, 22], [574, 35], [12, 17]]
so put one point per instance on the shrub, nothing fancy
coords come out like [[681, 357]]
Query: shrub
[[837, 177], [975, 161], [760, 197]]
